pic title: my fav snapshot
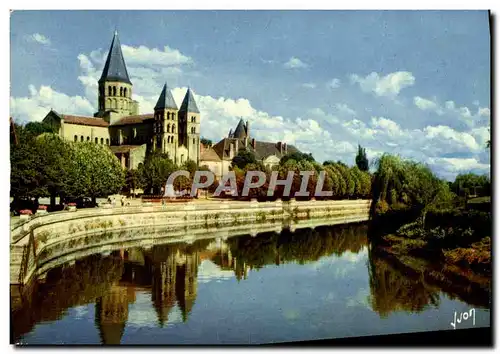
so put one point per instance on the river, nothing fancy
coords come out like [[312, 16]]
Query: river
[[272, 287]]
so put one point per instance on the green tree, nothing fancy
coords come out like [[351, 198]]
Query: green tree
[[405, 184], [155, 171], [361, 159], [190, 166], [470, 183], [37, 128], [55, 156], [206, 142], [297, 156], [94, 171], [243, 158], [133, 180]]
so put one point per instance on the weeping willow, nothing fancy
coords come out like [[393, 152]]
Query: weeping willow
[[403, 184]]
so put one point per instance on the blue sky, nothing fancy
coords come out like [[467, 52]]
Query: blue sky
[[415, 83]]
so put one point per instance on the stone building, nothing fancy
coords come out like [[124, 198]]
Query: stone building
[[219, 156], [130, 135]]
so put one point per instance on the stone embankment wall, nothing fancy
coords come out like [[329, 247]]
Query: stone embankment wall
[[45, 241]]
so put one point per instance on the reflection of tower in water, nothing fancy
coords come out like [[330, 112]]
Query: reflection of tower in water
[[187, 282], [175, 278], [163, 291], [111, 313]]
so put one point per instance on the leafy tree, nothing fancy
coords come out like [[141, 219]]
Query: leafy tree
[[206, 142], [297, 156], [361, 159], [133, 180], [39, 162], [243, 158], [189, 166], [37, 128], [94, 171], [155, 171], [55, 156], [25, 177], [406, 184], [472, 184]]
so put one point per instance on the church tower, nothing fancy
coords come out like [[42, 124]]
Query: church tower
[[166, 124], [115, 87], [189, 120]]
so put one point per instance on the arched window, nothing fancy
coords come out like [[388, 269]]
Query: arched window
[[88, 138], [102, 141], [97, 140], [125, 92], [173, 116], [168, 128], [114, 90], [121, 91], [76, 138], [107, 141], [194, 141], [173, 128], [81, 138], [110, 90], [168, 115]]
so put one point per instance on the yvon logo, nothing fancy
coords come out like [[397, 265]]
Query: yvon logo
[[464, 316]]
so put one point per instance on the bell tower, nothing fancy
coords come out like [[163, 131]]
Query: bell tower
[[189, 119], [115, 87], [166, 124]]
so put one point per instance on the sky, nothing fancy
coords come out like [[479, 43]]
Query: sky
[[413, 83]]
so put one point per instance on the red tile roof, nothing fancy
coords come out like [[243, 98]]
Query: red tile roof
[[138, 119], [79, 120]]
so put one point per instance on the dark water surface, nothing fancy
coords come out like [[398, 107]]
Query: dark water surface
[[309, 284]]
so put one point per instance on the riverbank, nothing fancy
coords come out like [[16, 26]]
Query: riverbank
[[61, 229], [459, 238]]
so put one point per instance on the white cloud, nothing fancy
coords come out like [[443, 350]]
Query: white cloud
[[38, 104], [389, 85], [424, 104], [459, 165], [484, 112], [389, 126], [147, 56], [39, 38], [334, 83], [309, 85], [447, 133], [295, 63]]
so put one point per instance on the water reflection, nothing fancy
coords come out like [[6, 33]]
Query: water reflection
[[412, 285], [170, 274]]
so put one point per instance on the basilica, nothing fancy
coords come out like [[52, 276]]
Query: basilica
[[172, 130], [169, 129]]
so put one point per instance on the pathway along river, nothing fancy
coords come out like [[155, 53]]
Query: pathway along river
[[305, 285]]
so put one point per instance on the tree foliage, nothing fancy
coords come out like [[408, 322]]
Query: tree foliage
[[94, 171], [155, 171], [243, 158], [297, 156], [470, 183], [361, 159], [206, 142], [403, 184]]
